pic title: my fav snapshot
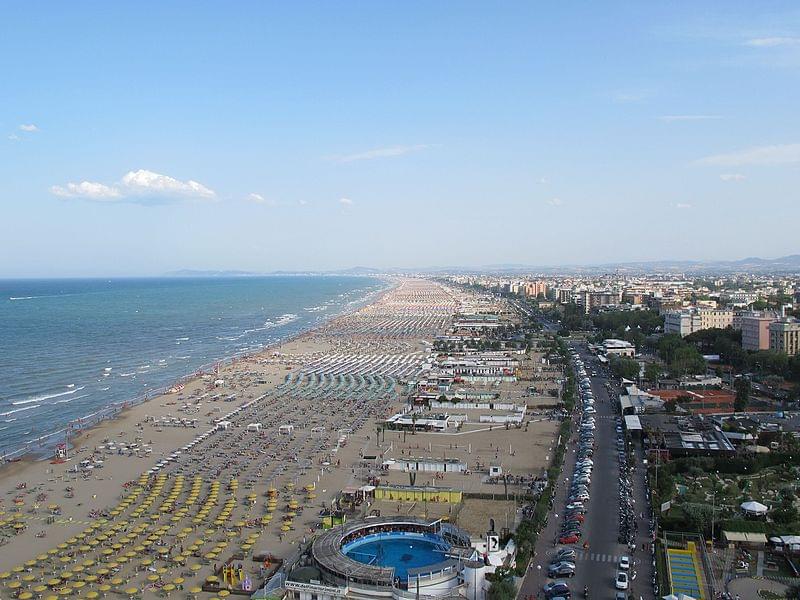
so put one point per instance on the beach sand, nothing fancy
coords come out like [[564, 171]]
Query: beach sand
[[188, 517]]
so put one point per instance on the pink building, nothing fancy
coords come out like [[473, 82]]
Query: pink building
[[755, 330]]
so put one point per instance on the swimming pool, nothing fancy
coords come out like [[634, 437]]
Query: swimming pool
[[399, 550]]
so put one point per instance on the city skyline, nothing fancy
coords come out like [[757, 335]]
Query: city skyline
[[313, 137]]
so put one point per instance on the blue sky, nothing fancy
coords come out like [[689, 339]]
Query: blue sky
[[140, 138]]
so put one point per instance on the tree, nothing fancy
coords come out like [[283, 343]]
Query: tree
[[742, 387], [502, 589], [625, 368], [652, 371]]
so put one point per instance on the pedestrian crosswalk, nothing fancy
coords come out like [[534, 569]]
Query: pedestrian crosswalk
[[596, 557]]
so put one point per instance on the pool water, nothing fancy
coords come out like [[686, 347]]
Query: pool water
[[402, 552]]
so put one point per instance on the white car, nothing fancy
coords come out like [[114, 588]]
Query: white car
[[625, 563], [621, 582]]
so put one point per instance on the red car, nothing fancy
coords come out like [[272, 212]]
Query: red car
[[576, 517], [568, 539]]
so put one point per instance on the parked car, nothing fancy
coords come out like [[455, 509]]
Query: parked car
[[621, 582], [625, 563]]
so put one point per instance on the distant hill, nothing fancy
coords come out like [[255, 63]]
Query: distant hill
[[752, 264]]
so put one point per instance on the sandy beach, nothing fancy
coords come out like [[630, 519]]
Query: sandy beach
[[236, 463]]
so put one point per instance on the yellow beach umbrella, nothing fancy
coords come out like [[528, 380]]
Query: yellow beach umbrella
[[39, 589], [15, 585], [25, 596], [92, 594]]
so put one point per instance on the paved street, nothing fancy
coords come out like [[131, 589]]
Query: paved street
[[596, 564]]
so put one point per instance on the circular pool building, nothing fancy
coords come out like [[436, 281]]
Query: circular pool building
[[392, 557]]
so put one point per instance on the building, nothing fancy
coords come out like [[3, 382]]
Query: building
[[613, 347], [533, 289], [784, 336], [682, 322], [755, 330], [358, 560], [686, 321], [684, 436], [700, 402]]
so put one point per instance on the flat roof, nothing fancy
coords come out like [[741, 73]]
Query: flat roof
[[632, 423], [744, 536]]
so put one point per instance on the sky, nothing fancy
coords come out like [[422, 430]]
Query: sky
[[140, 138]]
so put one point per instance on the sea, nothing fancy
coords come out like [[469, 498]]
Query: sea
[[74, 351]]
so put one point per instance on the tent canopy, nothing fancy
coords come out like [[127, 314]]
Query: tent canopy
[[754, 507]]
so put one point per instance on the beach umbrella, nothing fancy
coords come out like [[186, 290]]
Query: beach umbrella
[[53, 582], [178, 580], [116, 581], [92, 594], [17, 569], [91, 578], [66, 574], [153, 578], [5, 575], [39, 589], [15, 585], [131, 591], [224, 593], [28, 578], [25, 596], [102, 571], [78, 584], [195, 567]]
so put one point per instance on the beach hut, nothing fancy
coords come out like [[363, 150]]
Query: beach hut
[[219, 383], [286, 429], [254, 427]]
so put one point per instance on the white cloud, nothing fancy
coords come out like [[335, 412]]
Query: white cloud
[[302, 202], [779, 154], [149, 183], [772, 42], [683, 205], [13, 137], [675, 118], [259, 199], [732, 177], [543, 180], [555, 202], [30, 128], [378, 153], [135, 185], [346, 202], [86, 189]]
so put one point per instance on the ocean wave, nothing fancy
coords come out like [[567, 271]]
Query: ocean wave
[[183, 339], [11, 412], [47, 396]]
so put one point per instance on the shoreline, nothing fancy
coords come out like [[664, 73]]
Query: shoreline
[[37, 450]]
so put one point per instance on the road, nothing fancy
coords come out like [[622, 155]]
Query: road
[[597, 564]]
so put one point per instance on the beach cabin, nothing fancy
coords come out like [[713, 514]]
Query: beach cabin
[[224, 425], [219, 383], [286, 429], [254, 427]]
